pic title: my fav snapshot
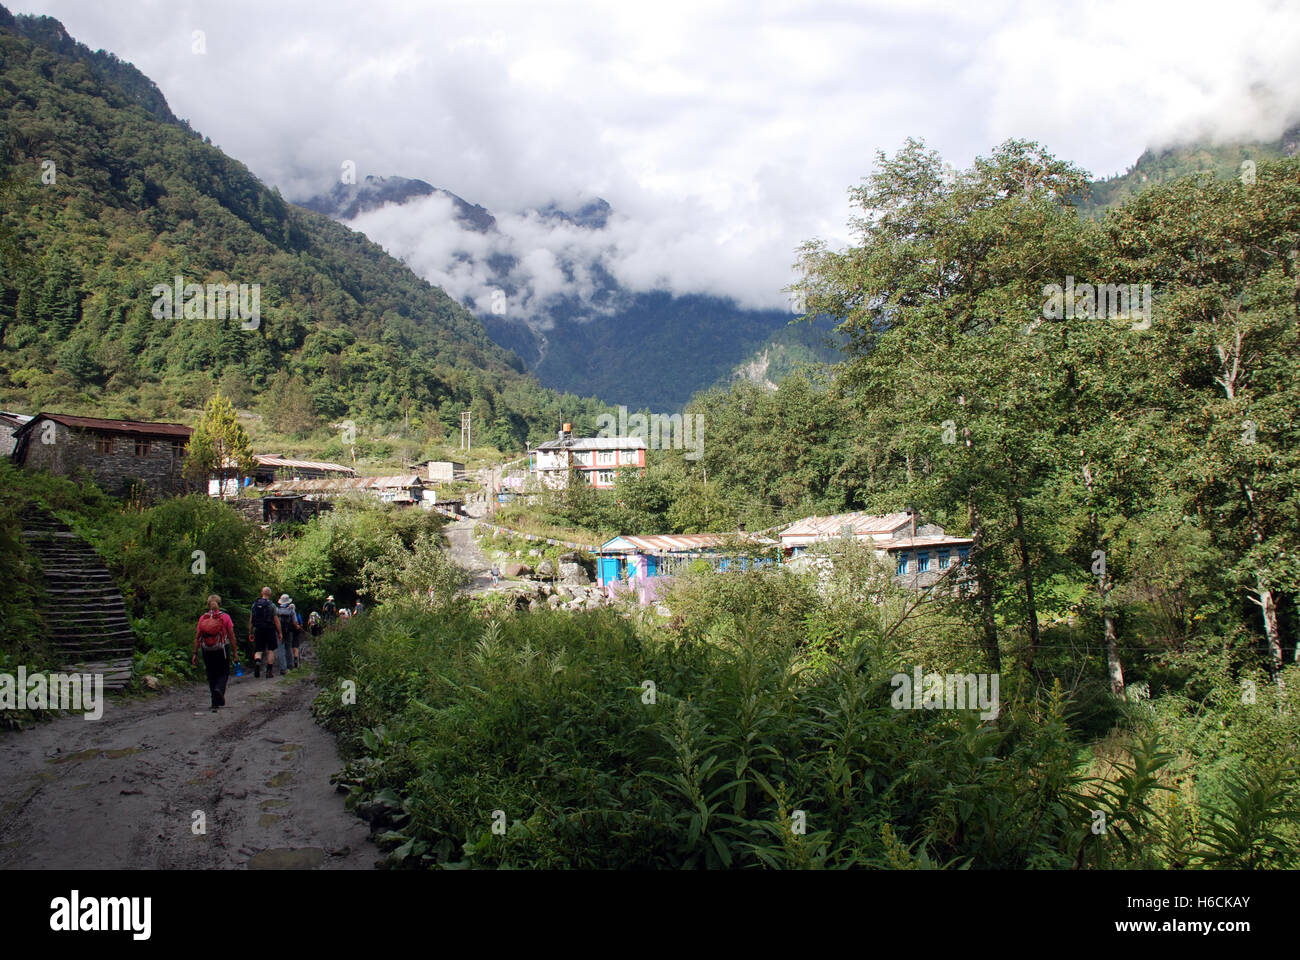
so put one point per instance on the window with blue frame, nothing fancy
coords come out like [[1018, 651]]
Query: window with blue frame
[[902, 564], [944, 558], [923, 561]]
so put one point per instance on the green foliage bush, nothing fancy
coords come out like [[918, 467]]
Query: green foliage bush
[[151, 554], [331, 552], [545, 718]]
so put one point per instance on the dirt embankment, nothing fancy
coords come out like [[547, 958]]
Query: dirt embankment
[[125, 791]]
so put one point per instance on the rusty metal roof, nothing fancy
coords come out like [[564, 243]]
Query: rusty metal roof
[[141, 427]]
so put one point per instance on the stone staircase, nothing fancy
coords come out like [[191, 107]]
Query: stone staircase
[[89, 625]]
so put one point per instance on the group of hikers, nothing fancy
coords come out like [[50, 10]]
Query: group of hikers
[[272, 626]]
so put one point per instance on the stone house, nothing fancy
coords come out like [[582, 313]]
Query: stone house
[[9, 424], [123, 456]]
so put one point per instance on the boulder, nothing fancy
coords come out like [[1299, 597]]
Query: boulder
[[546, 569], [516, 570], [573, 573], [554, 601]]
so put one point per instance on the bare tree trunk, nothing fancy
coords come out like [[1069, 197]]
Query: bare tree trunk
[[1113, 664], [1266, 600], [1264, 596], [1028, 576], [985, 587], [1230, 361]]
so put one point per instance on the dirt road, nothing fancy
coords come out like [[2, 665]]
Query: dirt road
[[124, 791]]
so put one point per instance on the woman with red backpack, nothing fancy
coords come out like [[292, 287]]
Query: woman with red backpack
[[215, 635]]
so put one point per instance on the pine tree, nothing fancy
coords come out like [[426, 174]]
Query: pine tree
[[219, 445]]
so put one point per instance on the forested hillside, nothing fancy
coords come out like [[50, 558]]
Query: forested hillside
[[107, 195], [1170, 163]]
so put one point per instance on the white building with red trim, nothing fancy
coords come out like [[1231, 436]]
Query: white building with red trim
[[595, 460]]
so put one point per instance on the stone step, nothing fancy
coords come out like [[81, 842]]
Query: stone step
[[94, 589], [89, 636], [122, 643], [74, 615], [89, 628], [85, 652], [85, 613]]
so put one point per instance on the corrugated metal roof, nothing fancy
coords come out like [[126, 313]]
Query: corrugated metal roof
[[863, 524], [176, 430], [681, 542], [345, 484], [273, 460], [908, 543], [16, 418], [594, 443]]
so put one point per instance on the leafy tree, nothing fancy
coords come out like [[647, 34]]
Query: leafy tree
[[219, 446]]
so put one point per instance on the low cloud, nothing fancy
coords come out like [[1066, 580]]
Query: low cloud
[[722, 134]]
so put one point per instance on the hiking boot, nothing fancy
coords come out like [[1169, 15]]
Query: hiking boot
[[257, 669]]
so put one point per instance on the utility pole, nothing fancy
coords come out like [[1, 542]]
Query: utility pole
[[466, 430]]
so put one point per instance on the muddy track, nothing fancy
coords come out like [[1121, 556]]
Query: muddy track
[[125, 791]]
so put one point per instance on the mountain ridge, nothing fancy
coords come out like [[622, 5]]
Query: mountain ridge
[[134, 199]]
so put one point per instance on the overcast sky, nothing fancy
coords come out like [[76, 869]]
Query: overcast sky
[[723, 134]]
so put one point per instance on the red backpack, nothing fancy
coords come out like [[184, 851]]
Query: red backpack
[[212, 629]]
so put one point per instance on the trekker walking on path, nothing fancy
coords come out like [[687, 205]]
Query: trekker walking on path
[[330, 610], [359, 609], [314, 625], [264, 630], [288, 615], [496, 574], [215, 635]]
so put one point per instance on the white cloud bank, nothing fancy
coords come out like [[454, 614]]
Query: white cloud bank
[[723, 135]]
